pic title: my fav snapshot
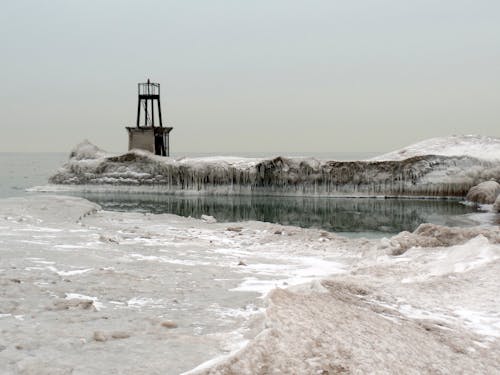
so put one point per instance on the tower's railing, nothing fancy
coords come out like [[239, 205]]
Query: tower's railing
[[148, 89]]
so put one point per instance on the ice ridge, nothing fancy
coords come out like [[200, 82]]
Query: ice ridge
[[422, 175]]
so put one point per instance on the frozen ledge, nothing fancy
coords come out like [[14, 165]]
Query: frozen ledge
[[417, 176]]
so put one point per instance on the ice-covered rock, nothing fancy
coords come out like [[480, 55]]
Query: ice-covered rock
[[86, 150], [496, 205], [432, 235], [476, 146], [421, 175], [208, 219], [484, 193]]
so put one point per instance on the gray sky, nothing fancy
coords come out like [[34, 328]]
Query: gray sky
[[259, 76]]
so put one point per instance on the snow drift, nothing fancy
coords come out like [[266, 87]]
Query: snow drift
[[422, 174]]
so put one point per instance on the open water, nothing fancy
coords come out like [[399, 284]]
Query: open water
[[350, 216]]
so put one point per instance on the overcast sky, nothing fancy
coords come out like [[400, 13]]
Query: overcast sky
[[250, 76]]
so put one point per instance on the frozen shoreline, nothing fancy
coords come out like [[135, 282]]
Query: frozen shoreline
[[82, 271]]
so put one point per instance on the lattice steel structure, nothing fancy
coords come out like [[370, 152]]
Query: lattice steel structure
[[149, 134]]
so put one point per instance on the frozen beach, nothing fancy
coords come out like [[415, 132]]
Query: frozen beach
[[87, 291]]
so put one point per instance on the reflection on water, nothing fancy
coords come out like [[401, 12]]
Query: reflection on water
[[358, 215]]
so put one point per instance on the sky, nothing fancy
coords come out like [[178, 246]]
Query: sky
[[249, 76]]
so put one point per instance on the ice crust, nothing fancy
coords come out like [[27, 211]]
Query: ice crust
[[88, 291], [424, 172], [475, 146]]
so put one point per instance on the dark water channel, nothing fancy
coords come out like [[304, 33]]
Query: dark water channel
[[346, 215]]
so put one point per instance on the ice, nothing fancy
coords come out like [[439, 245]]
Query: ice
[[301, 302], [487, 324], [476, 146], [462, 258], [140, 302], [484, 193], [424, 172], [72, 272], [95, 301]]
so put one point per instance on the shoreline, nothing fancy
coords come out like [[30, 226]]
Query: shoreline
[[100, 250]]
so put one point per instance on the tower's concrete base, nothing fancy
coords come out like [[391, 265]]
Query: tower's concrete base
[[152, 139]]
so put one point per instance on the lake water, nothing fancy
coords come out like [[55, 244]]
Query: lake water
[[351, 216]]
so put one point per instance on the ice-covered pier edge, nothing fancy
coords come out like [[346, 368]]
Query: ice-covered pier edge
[[439, 167]]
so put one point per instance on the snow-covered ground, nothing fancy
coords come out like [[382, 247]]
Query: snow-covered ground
[[86, 291], [440, 167]]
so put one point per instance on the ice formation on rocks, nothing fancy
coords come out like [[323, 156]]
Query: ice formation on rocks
[[476, 146], [87, 150], [484, 193], [496, 206], [424, 174], [431, 235]]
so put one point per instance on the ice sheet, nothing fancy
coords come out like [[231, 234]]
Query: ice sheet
[[163, 294]]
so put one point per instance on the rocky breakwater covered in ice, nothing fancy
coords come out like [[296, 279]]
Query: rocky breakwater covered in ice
[[438, 167]]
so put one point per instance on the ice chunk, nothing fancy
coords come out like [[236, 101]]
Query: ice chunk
[[484, 193]]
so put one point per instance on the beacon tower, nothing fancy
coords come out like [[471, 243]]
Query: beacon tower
[[149, 133]]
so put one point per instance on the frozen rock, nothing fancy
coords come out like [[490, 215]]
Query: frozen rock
[[496, 206], [120, 335], [431, 235], [484, 193], [208, 219], [234, 229], [100, 336], [169, 324], [86, 150], [75, 303]]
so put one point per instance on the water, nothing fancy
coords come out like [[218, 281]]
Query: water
[[350, 216], [361, 216], [19, 171]]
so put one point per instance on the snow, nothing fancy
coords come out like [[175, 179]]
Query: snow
[[87, 151], [354, 305], [473, 254], [476, 146], [486, 324], [95, 301]]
